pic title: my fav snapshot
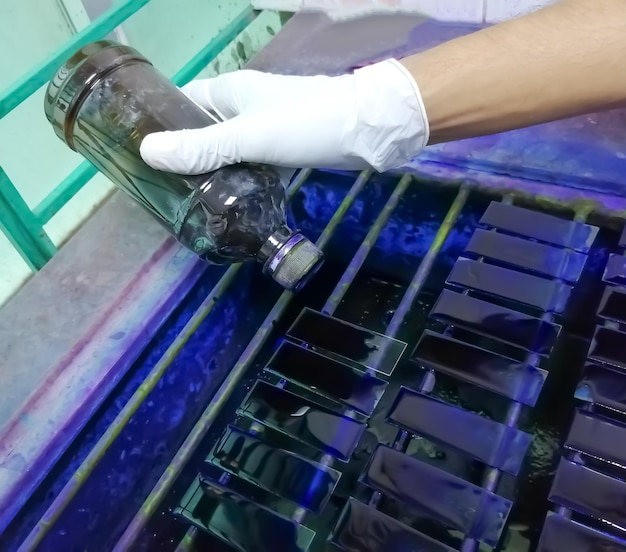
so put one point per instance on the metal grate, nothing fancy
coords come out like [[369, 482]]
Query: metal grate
[[496, 338], [589, 480]]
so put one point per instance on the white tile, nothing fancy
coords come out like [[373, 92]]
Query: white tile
[[501, 10], [278, 5], [448, 10]]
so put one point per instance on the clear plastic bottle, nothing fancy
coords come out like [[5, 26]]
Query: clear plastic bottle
[[107, 97]]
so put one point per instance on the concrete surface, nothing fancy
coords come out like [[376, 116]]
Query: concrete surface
[[72, 332]]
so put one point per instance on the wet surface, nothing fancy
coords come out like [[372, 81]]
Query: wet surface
[[603, 386], [428, 481], [589, 492], [242, 524], [607, 347], [598, 436], [615, 272], [365, 529], [508, 377], [274, 469], [355, 344], [506, 325], [303, 419], [327, 376], [563, 534], [490, 442], [613, 305], [540, 226], [536, 257], [435, 494], [290, 387], [528, 289]]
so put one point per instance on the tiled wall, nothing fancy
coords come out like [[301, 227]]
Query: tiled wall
[[474, 11]]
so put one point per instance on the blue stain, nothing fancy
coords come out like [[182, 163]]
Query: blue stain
[[150, 438], [158, 409], [110, 498]]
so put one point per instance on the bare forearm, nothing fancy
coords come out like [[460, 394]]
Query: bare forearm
[[565, 60]]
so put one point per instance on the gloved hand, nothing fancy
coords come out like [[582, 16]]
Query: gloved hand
[[373, 118]]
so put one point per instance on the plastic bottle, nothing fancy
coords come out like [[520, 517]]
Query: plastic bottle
[[107, 97]]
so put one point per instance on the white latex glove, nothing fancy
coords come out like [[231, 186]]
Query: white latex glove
[[374, 118]]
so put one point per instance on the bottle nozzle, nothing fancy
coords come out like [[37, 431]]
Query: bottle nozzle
[[292, 261]]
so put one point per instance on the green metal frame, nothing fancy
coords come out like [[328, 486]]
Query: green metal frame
[[25, 227], [22, 227]]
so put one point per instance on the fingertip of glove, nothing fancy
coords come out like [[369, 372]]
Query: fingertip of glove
[[168, 151], [194, 88], [180, 152], [153, 147]]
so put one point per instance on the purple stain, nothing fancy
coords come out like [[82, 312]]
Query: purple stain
[[493, 443], [158, 428]]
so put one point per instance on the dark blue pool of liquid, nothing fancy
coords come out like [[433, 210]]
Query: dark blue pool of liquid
[[109, 499]]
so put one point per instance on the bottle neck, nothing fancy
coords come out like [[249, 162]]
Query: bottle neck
[[290, 258], [275, 242]]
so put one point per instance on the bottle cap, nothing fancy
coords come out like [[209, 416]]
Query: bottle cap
[[294, 263]]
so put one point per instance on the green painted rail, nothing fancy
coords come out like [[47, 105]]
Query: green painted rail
[[22, 227]]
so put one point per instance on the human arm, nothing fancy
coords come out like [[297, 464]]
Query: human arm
[[564, 60]]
